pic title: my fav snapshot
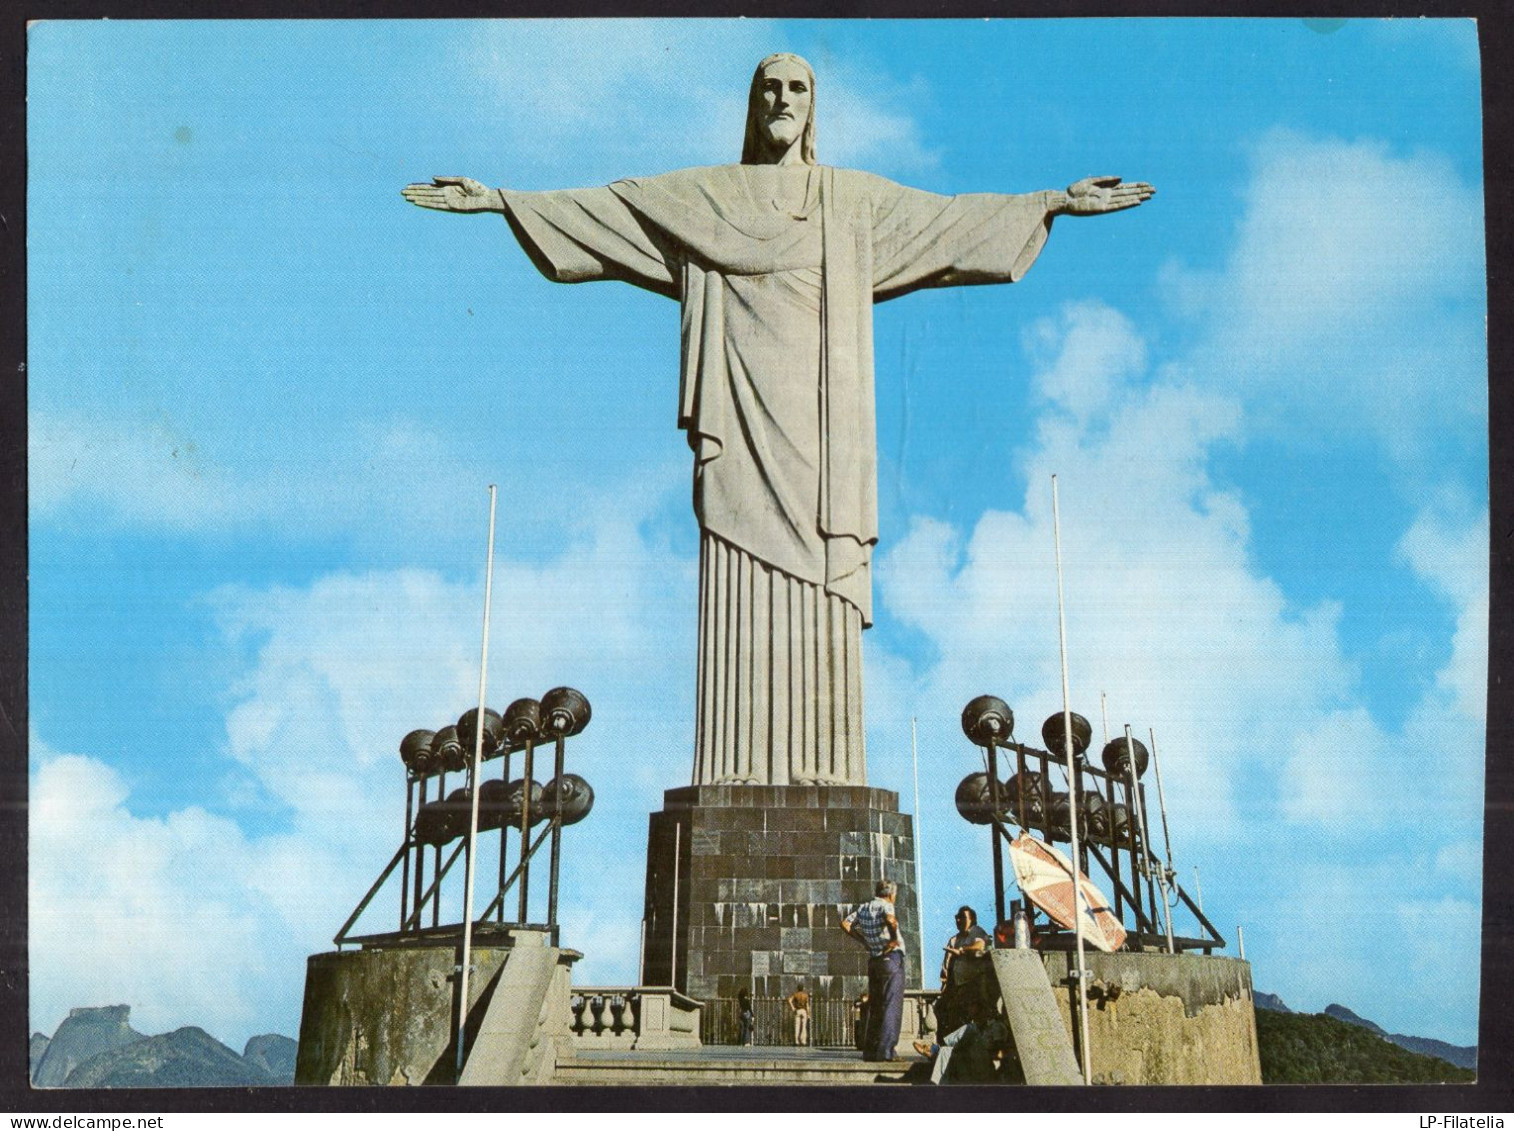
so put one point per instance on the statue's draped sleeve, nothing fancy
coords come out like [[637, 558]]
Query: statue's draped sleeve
[[580, 235], [922, 240]]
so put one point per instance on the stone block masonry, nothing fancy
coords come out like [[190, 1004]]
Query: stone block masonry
[[747, 887]]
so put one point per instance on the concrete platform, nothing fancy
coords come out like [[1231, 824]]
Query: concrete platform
[[734, 1065]]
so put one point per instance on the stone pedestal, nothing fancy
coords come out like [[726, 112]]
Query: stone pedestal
[[747, 887], [388, 1014]]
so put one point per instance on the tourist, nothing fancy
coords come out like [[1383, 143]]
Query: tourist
[[966, 993], [969, 1054], [799, 1004], [875, 926], [747, 1018]]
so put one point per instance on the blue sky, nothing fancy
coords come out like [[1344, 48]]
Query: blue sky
[[267, 398]]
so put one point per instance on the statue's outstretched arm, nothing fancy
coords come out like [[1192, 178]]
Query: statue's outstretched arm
[[454, 194], [1093, 196]]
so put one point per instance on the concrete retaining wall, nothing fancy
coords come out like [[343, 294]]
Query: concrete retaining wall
[[1165, 1018], [386, 1015]]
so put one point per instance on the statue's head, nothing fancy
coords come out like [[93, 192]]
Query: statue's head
[[780, 111]]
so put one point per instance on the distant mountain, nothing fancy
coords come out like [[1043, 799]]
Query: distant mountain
[[84, 1034], [1341, 1013], [1463, 1056], [186, 1058], [1302, 1048], [38, 1047], [96, 1048], [274, 1054]]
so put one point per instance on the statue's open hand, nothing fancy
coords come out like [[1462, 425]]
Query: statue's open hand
[[453, 194], [1095, 195]]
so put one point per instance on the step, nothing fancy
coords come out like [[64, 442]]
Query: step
[[727, 1065]]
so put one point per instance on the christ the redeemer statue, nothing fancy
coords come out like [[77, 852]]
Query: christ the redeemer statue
[[777, 262]]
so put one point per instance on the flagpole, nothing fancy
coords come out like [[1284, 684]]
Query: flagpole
[[914, 751], [473, 771], [1137, 792], [1072, 798], [1167, 869]]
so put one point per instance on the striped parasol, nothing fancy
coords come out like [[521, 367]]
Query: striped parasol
[[1045, 876]]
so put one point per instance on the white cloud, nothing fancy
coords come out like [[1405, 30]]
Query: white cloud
[[1084, 356], [209, 924], [1364, 934], [856, 127], [1164, 610], [108, 889], [1451, 556], [1350, 303], [1445, 734], [393, 489], [1324, 763], [608, 91], [1278, 777], [1350, 308], [595, 100], [1459, 859], [150, 473], [1435, 951]]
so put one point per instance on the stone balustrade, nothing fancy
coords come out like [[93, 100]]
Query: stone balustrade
[[632, 1017], [659, 1017]]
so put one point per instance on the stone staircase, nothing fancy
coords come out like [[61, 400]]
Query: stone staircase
[[719, 1065]]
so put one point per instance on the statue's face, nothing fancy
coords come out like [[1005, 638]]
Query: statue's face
[[785, 108]]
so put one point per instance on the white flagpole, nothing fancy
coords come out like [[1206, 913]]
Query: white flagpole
[[1167, 868], [1078, 899], [473, 771], [914, 751], [1145, 826], [1136, 792]]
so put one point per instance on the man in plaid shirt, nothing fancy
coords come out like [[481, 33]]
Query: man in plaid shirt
[[874, 925]]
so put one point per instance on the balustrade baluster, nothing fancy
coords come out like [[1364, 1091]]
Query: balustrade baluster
[[629, 1016], [579, 1007], [597, 1008], [617, 1010]]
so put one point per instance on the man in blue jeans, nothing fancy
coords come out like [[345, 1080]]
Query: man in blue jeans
[[873, 924]]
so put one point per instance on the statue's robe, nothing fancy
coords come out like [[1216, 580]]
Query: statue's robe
[[777, 398]]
